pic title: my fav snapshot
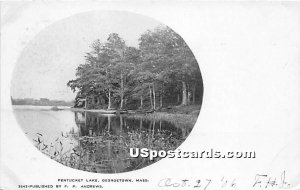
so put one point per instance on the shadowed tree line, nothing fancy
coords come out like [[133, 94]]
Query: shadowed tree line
[[161, 72]]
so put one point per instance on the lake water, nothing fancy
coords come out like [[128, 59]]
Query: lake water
[[96, 142]]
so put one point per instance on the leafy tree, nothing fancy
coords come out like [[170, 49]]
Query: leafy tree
[[164, 53], [163, 68]]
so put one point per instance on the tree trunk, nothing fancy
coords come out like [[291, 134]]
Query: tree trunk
[[154, 99], [150, 94], [189, 94], [122, 91], [109, 99], [85, 103], [184, 94], [194, 93], [93, 100], [98, 100], [121, 123], [85, 120], [161, 95], [160, 101]]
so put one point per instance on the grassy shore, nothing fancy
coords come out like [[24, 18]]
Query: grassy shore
[[180, 116]]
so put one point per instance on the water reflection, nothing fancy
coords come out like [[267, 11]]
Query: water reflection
[[101, 143]]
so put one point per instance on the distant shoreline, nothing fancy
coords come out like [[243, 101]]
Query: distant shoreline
[[40, 102]]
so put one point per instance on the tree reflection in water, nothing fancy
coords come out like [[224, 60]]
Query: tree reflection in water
[[102, 142]]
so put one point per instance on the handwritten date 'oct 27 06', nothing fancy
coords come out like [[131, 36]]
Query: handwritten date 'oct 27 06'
[[199, 184], [260, 182]]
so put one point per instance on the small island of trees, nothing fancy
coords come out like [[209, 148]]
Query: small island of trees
[[162, 72]]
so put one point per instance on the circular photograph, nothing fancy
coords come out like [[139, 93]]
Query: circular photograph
[[107, 91]]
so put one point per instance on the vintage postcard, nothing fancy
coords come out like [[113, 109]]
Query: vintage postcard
[[150, 95]]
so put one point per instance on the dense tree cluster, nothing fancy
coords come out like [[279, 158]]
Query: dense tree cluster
[[162, 71]]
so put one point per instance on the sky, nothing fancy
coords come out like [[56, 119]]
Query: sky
[[50, 60]]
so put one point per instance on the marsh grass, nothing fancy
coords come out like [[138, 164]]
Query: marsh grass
[[179, 120], [108, 153], [101, 143]]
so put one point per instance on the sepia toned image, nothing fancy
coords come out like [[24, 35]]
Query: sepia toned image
[[90, 87]]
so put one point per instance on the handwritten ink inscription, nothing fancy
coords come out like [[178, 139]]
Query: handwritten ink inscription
[[267, 181], [260, 181], [200, 184]]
